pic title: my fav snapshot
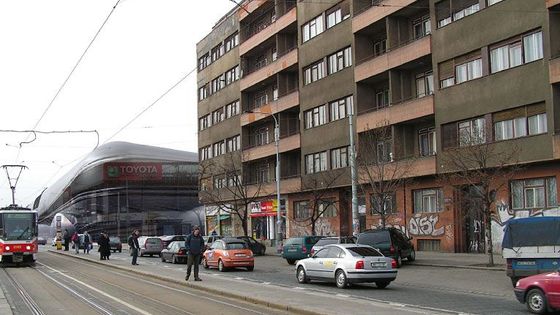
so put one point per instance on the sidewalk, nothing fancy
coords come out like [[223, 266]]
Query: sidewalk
[[5, 307], [293, 300], [446, 260]]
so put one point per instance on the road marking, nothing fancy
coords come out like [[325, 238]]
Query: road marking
[[94, 305], [141, 311], [267, 283], [238, 278], [342, 295]]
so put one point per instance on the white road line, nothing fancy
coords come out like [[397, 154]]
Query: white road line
[[342, 295], [94, 305], [141, 311]]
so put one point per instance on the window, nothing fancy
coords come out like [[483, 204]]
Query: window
[[260, 62], [492, 2], [537, 124], [380, 47], [326, 208], [219, 182], [314, 72], [511, 128], [203, 61], [301, 210], [339, 107], [424, 84], [513, 54], [447, 82], [261, 98], [232, 75], [233, 143], [203, 92], [219, 148], [472, 132], [217, 52], [232, 109], [382, 98], [316, 162], [466, 12], [445, 21], [468, 71], [340, 60], [428, 200], [218, 116], [334, 17], [205, 153], [385, 204], [422, 27], [316, 117], [339, 157], [231, 42], [205, 122], [384, 151], [263, 173], [261, 137], [427, 141], [312, 28], [535, 193]]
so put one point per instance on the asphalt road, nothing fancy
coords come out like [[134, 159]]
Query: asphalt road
[[63, 285]]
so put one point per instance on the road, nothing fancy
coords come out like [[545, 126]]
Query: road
[[63, 285]]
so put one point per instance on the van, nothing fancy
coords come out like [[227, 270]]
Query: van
[[391, 242], [299, 247], [150, 245]]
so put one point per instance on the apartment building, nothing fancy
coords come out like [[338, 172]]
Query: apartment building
[[428, 73]]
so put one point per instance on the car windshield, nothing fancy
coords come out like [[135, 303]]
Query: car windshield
[[326, 241], [236, 245], [375, 238], [153, 241], [114, 239], [19, 226], [363, 251]]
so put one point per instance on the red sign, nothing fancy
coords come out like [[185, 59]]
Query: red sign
[[134, 171], [263, 209]]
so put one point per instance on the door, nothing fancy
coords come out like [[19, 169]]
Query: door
[[334, 255], [315, 264], [211, 256], [471, 215], [554, 291]]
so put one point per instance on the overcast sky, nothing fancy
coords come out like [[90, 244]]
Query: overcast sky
[[145, 48]]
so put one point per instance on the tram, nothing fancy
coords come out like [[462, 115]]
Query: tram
[[18, 235]]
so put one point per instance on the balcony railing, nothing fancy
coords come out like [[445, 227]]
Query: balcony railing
[[405, 111], [366, 16], [253, 106], [251, 30], [390, 49], [554, 67], [252, 69], [270, 138]]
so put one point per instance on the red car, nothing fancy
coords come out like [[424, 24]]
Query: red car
[[228, 253], [541, 292]]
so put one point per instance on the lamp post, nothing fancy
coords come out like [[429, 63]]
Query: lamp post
[[276, 144]]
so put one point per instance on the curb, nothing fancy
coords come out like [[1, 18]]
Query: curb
[[228, 294], [459, 267]]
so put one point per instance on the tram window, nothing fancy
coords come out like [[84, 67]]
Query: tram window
[[1, 226]]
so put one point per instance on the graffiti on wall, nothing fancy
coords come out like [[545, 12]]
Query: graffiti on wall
[[425, 225]]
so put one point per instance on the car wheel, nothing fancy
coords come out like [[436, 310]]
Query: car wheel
[[341, 280], [411, 256], [399, 260], [250, 268], [120, 250], [221, 266], [301, 275], [536, 301], [382, 284], [162, 259], [291, 261], [174, 259], [205, 263], [151, 255]]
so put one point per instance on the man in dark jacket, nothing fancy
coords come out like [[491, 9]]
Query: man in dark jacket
[[66, 237], [134, 246], [194, 246]]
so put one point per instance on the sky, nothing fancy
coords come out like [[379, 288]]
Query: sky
[[145, 48]]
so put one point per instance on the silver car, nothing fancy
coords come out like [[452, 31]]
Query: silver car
[[347, 263]]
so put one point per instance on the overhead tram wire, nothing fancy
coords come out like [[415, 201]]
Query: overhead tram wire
[[70, 74], [152, 104]]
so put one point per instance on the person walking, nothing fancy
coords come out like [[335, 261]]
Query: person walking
[[76, 240], [66, 237], [134, 246], [87, 242], [194, 246]]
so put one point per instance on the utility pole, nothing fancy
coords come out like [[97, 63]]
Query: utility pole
[[354, 174], [12, 181]]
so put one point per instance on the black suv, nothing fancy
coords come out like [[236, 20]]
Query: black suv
[[391, 242]]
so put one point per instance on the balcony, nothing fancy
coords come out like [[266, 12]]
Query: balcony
[[374, 13], [394, 58], [284, 62], [551, 3], [554, 67], [286, 144], [397, 113], [283, 103], [287, 186], [249, 7], [272, 29], [408, 168]]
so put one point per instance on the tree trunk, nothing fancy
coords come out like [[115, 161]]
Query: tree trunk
[[313, 224], [488, 231]]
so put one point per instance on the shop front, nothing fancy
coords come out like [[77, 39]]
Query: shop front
[[263, 219]]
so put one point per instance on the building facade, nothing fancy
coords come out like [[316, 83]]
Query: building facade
[[429, 74]]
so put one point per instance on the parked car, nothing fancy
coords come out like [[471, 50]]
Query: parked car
[[540, 292], [228, 253], [256, 247], [332, 240], [167, 239], [41, 241], [391, 242], [115, 244], [175, 253], [298, 247], [347, 263], [208, 240], [150, 245]]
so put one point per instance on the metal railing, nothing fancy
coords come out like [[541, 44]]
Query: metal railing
[[391, 104], [270, 138], [252, 106], [388, 50], [248, 70]]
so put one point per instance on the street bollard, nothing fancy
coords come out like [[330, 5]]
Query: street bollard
[[58, 244]]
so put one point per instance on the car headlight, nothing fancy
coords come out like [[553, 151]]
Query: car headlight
[[226, 254], [28, 247], [517, 284]]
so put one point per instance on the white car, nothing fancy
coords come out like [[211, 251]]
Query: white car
[[347, 263]]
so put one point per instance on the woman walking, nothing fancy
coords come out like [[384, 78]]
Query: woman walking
[[104, 248]]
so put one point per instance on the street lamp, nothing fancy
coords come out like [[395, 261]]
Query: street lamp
[[276, 144]]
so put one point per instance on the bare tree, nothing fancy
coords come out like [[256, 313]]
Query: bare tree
[[382, 171], [319, 187], [484, 168], [223, 186]]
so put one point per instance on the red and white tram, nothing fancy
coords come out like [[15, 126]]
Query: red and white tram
[[18, 235]]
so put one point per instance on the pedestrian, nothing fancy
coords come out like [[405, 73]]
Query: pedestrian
[[134, 246], [194, 246], [87, 242], [76, 240], [66, 237], [104, 248]]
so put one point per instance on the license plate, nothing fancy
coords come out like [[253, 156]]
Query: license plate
[[526, 263], [17, 258], [378, 265], [239, 255]]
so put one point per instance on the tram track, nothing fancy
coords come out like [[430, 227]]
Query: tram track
[[24, 294]]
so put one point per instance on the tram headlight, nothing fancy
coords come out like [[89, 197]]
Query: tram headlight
[[28, 247], [7, 247]]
